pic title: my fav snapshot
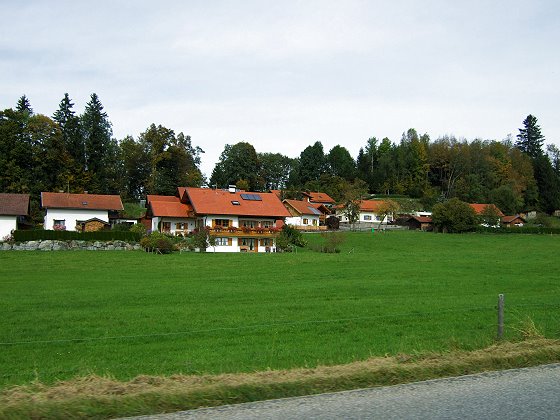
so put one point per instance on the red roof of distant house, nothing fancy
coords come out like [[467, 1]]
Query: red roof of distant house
[[168, 198], [304, 207], [318, 197], [239, 203], [372, 206], [509, 219], [479, 208], [14, 204], [81, 201], [170, 209], [321, 207]]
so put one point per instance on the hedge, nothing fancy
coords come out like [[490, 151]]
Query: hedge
[[63, 235], [535, 230]]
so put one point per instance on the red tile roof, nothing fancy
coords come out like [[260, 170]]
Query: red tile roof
[[422, 219], [81, 201], [319, 197], [168, 206], [14, 204], [479, 208], [303, 207], [210, 201], [168, 198], [509, 219]]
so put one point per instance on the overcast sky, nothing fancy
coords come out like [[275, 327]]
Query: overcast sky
[[284, 74]]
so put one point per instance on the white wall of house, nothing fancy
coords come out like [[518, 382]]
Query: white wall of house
[[222, 244], [70, 216], [177, 225], [7, 224], [366, 217], [306, 220]]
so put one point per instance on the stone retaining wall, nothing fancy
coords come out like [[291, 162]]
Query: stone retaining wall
[[48, 245]]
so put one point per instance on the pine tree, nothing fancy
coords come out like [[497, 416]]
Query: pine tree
[[97, 138], [530, 138], [24, 106]]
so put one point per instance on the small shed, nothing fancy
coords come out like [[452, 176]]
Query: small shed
[[417, 222], [510, 221]]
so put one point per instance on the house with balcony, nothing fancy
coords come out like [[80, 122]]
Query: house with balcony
[[239, 221], [14, 210], [168, 214], [79, 212]]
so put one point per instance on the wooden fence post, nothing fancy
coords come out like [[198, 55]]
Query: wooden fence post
[[500, 316]]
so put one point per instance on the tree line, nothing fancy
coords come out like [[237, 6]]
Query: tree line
[[71, 152], [76, 153]]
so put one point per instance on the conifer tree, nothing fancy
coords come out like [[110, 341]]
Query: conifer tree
[[530, 138]]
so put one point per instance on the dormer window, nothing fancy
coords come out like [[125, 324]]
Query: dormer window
[[84, 203], [235, 203]]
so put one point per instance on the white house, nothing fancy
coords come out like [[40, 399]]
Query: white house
[[238, 221], [13, 210], [303, 214], [79, 212], [169, 215], [370, 211]]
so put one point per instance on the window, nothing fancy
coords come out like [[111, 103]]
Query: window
[[223, 241], [266, 224], [180, 226], [248, 223], [166, 226], [367, 217], [59, 224], [266, 242], [224, 223], [314, 222], [305, 221]]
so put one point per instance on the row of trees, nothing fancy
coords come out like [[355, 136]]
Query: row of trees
[[74, 153], [514, 175]]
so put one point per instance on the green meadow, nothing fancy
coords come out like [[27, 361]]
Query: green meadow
[[67, 314]]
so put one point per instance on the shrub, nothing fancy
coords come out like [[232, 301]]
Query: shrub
[[159, 242], [289, 236], [332, 222], [454, 216], [138, 228]]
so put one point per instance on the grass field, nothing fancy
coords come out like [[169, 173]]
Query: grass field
[[67, 314]]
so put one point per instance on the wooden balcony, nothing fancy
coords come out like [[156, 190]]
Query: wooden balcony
[[246, 232]]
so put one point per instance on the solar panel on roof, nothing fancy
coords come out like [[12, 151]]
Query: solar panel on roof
[[251, 197], [314, 211]]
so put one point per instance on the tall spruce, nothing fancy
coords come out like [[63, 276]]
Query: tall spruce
[[530, 138], [97, 139], [69, 125]]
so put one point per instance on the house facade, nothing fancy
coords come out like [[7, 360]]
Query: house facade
[[303, 214], [169, 215], [79, 212], [14, 208], [237, 221], [370, 211]]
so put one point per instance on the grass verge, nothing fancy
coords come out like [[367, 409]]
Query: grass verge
[[105, 397]]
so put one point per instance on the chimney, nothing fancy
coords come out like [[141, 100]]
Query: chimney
[[232, 188], [85, 192]]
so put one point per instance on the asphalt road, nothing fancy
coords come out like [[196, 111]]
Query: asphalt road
[[532, 393]]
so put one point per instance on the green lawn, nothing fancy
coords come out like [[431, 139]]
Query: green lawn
[[65, 314]]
